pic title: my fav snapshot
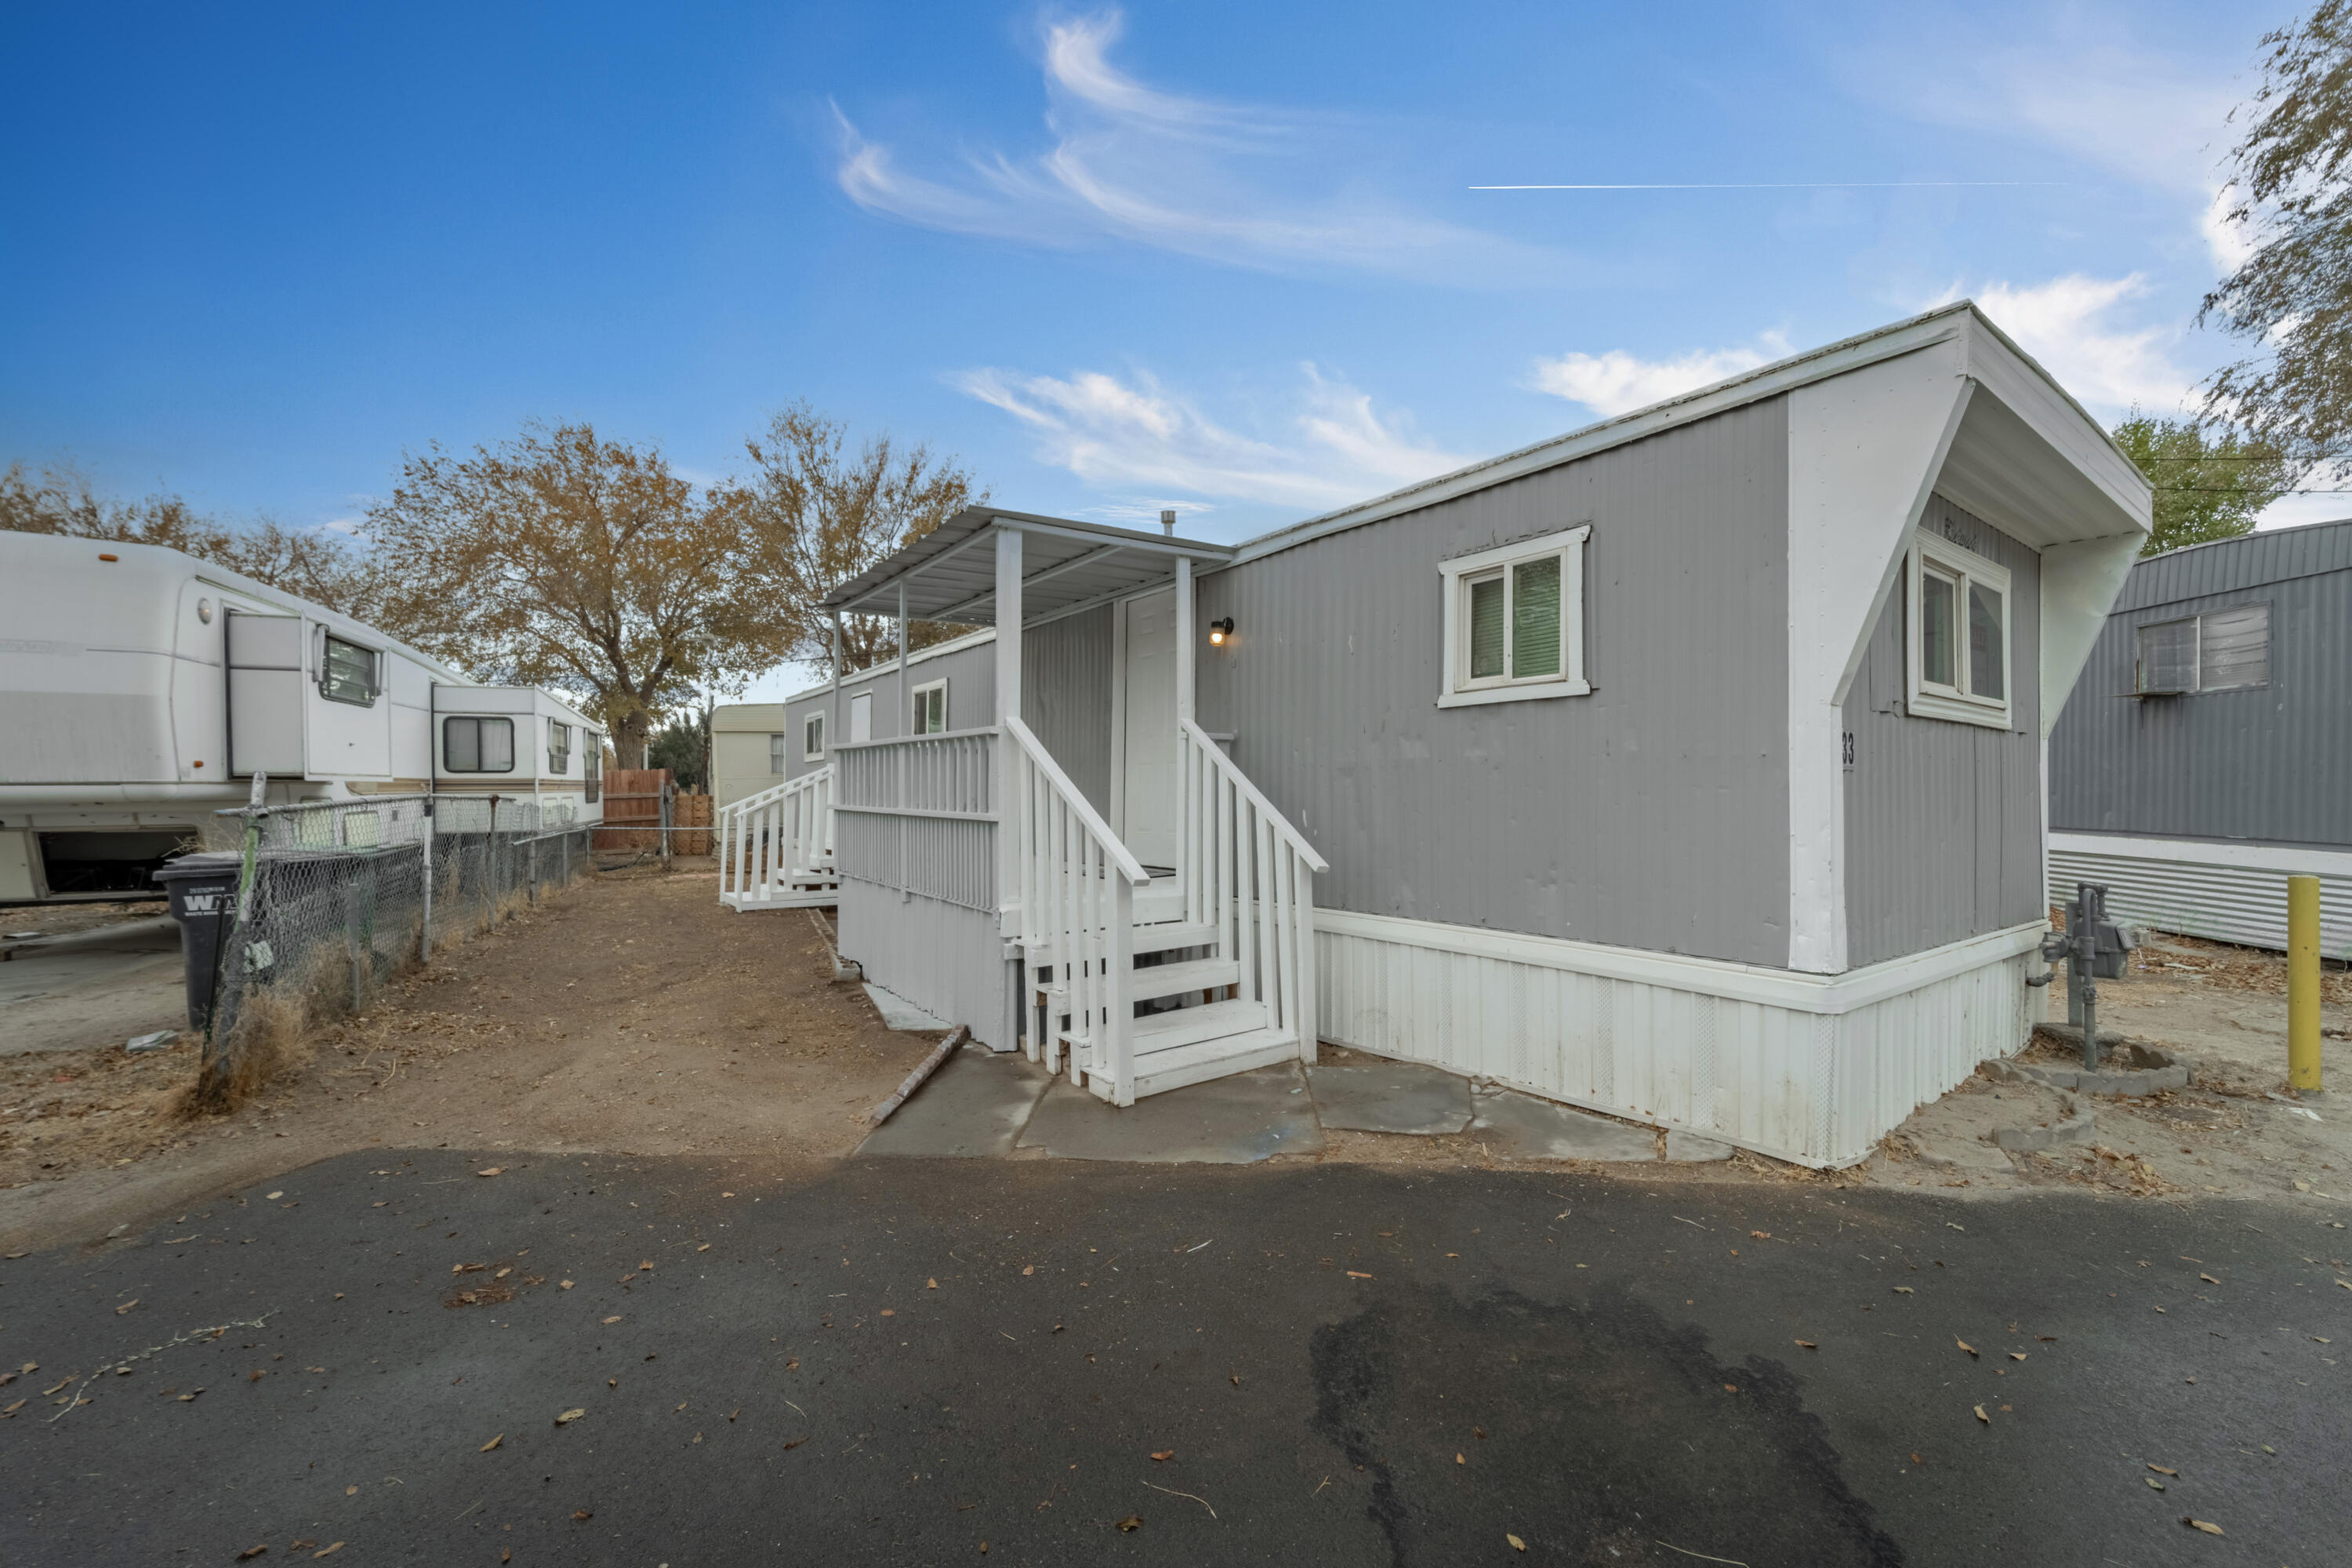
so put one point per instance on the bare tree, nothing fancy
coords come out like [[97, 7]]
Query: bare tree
[[820, 515], [558, 558]]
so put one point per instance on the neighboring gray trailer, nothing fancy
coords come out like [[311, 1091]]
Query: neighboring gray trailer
[[1685, 767], [2205, 756]]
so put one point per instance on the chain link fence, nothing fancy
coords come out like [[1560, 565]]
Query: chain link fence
[[313, 907]]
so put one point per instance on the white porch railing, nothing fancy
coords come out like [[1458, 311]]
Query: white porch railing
[[1246, 872], [917, 813], [775, 848], [1074, 884]]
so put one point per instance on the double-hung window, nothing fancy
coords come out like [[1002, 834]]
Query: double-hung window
[[1515, 622], [559, 748], [2221, 650], [812, 740], [1958, 635], [930, 715], [346, 671], [471, 745]]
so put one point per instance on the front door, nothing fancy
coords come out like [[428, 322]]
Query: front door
[[1150, 782], [861, 716]]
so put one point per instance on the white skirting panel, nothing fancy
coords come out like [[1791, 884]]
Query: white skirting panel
[[1812, 1068], [944, 958], [2227, 893]]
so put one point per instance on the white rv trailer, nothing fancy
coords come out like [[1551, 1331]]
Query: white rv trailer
[[141, 688]]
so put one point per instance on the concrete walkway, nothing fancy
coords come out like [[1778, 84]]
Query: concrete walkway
[[93, 989], [982, 1105]]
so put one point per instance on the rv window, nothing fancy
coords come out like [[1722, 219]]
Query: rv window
[[559, 748], [347, 672], [478, 745], [811, 738], [1959, 633], [593, 744], [1515, 622], [930, 715]]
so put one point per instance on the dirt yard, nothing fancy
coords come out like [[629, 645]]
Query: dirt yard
[[634, 1014]]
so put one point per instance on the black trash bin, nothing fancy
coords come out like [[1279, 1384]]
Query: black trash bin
[[203, 901]]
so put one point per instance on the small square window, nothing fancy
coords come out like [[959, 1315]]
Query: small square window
[[1514, 623], [471, 745], [1958, 635], [812, 737], [347, 672], [930, 715]]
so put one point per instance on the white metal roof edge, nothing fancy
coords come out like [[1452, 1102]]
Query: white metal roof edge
[[1899, 338], [888, 667]]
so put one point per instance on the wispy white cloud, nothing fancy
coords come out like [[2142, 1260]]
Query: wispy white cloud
[[1618, 382], [1132, 434], [2071, 325], [1232, 184]]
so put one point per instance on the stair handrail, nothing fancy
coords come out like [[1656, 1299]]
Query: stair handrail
[[1241, 781], [1116, 852], [777, 791], [736, 874]]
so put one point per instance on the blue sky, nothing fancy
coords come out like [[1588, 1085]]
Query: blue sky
[[1227, 257]]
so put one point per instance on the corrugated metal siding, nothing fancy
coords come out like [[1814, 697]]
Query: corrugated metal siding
[[1066, 697], [1652, 814], [2231, 566], [2267, 764], [1943, 820], [970, 675], [2199, 898]]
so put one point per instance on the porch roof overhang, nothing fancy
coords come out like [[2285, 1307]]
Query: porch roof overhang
[[949, 573]]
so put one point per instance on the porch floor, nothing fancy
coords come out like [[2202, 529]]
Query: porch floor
[[986, 1105]]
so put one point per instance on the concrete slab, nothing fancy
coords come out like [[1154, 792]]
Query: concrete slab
[[95, 989], [1389, 1097], [1522, 1127], [1235, 1120], [898, 1013], [1690, 1146], [972, 1107]]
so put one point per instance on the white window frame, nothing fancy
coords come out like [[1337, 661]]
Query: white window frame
[[812, 737], [559, 757], [477, 721], [1458, 690], [1956, 702], [918, 704]]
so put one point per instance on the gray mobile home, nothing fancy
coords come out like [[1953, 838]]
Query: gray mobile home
[[1687, 767], [2203, 757]]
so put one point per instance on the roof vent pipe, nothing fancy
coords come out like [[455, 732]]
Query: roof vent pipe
[[1167, 520]]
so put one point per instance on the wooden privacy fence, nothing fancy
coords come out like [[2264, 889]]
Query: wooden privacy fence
[[639, 803]]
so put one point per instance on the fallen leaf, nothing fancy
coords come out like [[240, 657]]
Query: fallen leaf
[[2206, 1525], [570, 1416], [493, 1442], [273, 1198], [1479, 1433], [616, 1317], [299, 1545], [2208, 1280], [467, 1268], [126, 1306], [1807, 1345], [256, 1375], [1353, 1274], [2016, 1355], [1032, 1268], [1761, 1235], [493, 1171], [564, 1285], [583, 1514], [794, 1364], [1164, 1454], [889, 1311], [1904, 1290], [2151, 1480], [704, 1247], [1132, 1522], [351, 1491], [253, 1551], [2346, 1283], [930, 1284], [1517, 1544], [1982, 1416], [1965, 1345], [647, 1266], [1918, 1461], [338, 1546], [503, 1272], [1235, 1378], [13, 1408], [1460, 1460]]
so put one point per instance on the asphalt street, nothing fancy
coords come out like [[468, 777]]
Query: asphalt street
[[911, 1362]]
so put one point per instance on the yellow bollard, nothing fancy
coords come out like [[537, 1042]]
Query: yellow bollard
[[2303, 984]]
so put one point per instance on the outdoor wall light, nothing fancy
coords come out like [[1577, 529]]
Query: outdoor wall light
[[1219, 631]]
